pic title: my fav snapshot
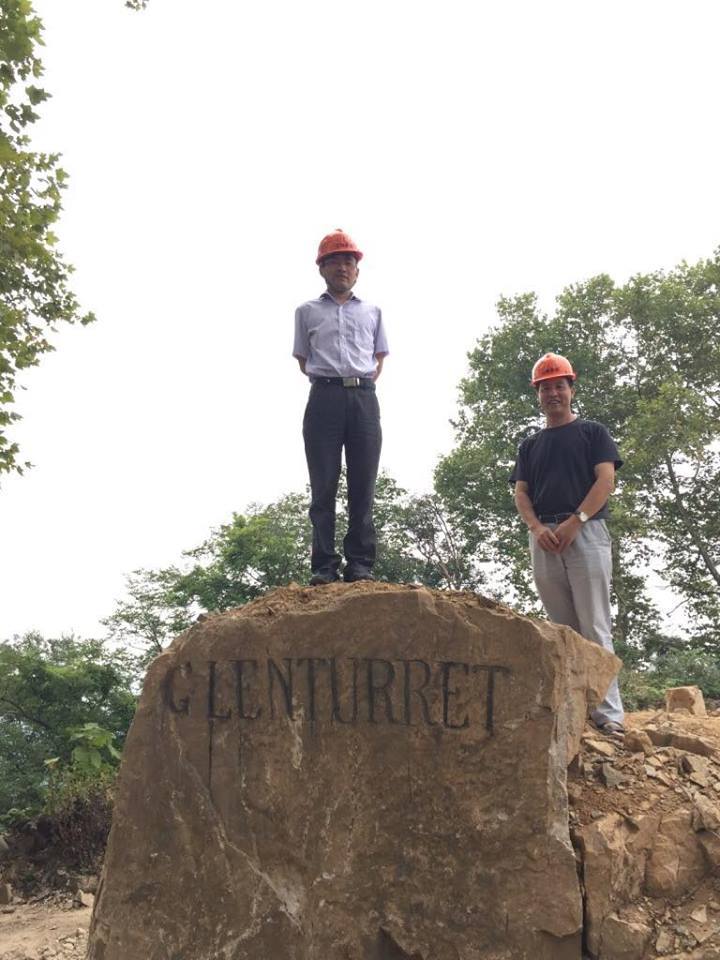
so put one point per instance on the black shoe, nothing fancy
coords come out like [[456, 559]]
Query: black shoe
[[321, 578], [611, 729], [353, 574]]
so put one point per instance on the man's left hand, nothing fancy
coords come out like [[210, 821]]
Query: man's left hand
[[566, 532]]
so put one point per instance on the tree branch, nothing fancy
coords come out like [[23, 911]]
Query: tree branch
[[689, 526], [23, 713]]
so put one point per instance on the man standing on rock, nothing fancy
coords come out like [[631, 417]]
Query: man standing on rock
[[563, 477], [340, 345]]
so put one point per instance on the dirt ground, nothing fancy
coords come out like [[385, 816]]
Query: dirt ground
[[41, 931]]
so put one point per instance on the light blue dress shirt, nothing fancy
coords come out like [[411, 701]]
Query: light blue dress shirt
[[339, 339]]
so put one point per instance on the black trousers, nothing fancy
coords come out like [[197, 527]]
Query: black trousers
[[337, 417]]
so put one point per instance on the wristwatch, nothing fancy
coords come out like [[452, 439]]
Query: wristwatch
[[581, 515]]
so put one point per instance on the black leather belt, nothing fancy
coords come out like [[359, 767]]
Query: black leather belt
[[559, 517], [366, 382]]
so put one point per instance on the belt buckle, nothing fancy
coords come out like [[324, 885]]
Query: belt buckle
[[351, 381]]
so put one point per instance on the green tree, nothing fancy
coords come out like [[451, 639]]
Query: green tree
[[417, 542], [150, 614], [34, 292], [269, 546], [648, 358], [673, 350], [56, 696], [264, 547]]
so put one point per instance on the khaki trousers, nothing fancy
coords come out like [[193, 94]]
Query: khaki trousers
[[574, 587]]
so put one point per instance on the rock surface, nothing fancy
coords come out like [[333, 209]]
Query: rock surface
[[649, 855], [42, 921], [690, 699], [356, 772]]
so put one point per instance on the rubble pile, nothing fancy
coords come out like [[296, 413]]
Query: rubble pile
[[645, 823]]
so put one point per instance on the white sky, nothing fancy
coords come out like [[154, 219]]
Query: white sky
[[472, 150]]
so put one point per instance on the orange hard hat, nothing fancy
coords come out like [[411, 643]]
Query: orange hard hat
[[551, 365], [337, 242]]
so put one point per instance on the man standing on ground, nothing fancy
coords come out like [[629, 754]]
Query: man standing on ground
[[563, 477], [340, 345]]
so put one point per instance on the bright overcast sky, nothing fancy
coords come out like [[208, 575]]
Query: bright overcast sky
[[471, 149]]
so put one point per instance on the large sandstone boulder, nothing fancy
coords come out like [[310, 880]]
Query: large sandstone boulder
[[356, 772]]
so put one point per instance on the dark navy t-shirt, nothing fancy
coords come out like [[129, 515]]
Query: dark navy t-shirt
[[558, 465]]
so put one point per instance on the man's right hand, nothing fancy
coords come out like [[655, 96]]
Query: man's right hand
[[545, 538]]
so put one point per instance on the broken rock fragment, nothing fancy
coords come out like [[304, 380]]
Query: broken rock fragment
[[705, 814], [615, 850], [623, 939], [687, 699], [677, 862], [637, 741]]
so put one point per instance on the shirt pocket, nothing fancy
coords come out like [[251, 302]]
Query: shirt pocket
[[361, 335]]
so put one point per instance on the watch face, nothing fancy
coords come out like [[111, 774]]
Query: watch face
[[583, 516]]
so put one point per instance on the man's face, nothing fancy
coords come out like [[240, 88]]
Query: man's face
[[555, 396], [339, 271]]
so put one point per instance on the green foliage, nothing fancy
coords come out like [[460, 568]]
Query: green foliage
[[80, 794], [93, 750], [673, 435], [34, 292], [417, 542], [699, 668], [150, 614], [67, 699], [644, 687], [648, 359], [641, 689], [270, 546], [265, 547], [79, 805]]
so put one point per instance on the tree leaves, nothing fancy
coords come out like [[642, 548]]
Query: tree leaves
[[269, 546], [58, 696], [34, 279], [648, 359]]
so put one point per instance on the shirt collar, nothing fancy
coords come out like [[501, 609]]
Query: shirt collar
[[328, 296]]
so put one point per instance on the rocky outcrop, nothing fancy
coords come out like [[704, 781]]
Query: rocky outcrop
[[358, 772]]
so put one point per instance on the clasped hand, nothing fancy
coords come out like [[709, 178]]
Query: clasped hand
[[559, 539]]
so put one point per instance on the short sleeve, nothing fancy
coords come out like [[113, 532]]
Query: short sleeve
[[301, 343], [519, 471], [381, 344], [603, 448]]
